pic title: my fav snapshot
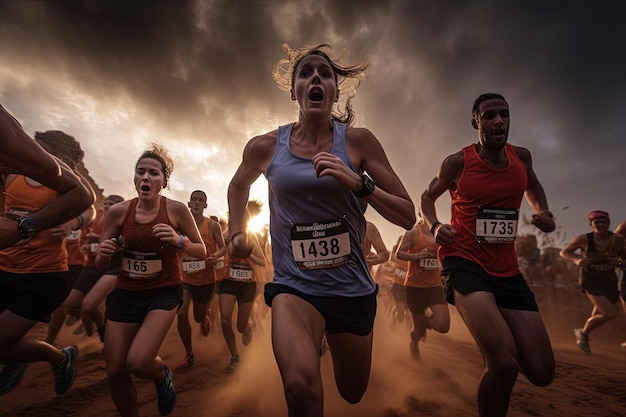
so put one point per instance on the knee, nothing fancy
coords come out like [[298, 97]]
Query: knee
[[302, 392], [226, 323]]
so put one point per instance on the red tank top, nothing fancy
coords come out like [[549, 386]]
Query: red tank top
[[423, 273], [147, 261], [44, 252], [484, 203], [198, 272]]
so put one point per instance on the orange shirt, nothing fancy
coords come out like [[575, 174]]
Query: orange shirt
[[423, 273], [199, 271], [43, 253]]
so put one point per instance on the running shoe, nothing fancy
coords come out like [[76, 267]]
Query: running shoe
[[246, 338], [188, 362], [205, 327], [65, 372], [166, 394], [234, 363], [582, 340], [11, 376]]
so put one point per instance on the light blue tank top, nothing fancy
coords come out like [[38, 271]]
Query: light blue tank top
[[316, 224]]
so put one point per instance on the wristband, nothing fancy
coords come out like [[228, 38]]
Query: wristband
[[181, 243], [433, 227], [81, 218]]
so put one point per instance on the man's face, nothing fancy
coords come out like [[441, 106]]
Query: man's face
[[197, 203], [493, 123]]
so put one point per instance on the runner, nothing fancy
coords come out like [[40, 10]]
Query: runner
[[423, 286], [487, 182], [621, 229], [322, 285], [148, 292], [34, 278], [239, 284], [597, 254], [199, 277]]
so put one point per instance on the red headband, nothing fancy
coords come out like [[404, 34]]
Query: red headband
[[596, 214]]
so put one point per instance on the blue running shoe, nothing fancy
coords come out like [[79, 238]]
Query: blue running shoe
[[65, 372], [11, 376], [166, 394]]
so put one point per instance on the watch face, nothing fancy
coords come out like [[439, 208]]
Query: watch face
[[27, 226], [368, 183]]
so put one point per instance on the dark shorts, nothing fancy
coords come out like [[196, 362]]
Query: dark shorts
[[75, 271], [342, 314], [622, 283], [33, 296], [245, 291], [200, 293], [466, 277], [600, 283], [398, 293], [128, 306], [419, 299]]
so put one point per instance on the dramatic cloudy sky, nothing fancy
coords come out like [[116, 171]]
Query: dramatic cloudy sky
[[196, 76]]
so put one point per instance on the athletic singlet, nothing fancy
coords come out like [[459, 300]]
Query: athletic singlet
[[485, 206], [147, 262], [316, 224], [599, 266], [43, 253], [198, 271], [73, 242], [239, 269], [425, 272]]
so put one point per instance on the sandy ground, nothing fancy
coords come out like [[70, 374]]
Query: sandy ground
[[443, 384]]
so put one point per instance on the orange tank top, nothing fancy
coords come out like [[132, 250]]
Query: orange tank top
[[147, 262], [485, 212], [423, 273], [198, 271], [239, 269], [43, 253]]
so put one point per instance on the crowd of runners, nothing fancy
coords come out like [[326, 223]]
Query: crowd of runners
[[126, 271]]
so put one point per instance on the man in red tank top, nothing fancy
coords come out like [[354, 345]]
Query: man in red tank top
[[487, 181]]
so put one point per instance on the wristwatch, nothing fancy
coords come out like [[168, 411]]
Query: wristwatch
[[368, 187], [27, 226]]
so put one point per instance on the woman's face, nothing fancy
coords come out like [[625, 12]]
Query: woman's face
[[314, 85], [149, 178]]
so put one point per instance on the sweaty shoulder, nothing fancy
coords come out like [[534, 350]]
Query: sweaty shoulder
[[260, 150], [452, 167], [523, 154]]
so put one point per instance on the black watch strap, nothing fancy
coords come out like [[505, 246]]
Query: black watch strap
[[368, 187]]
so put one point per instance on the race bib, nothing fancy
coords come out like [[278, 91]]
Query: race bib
[[496, 225], [194, 266], [240, 272], [141, 265], [429, 263], [321, 244]]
